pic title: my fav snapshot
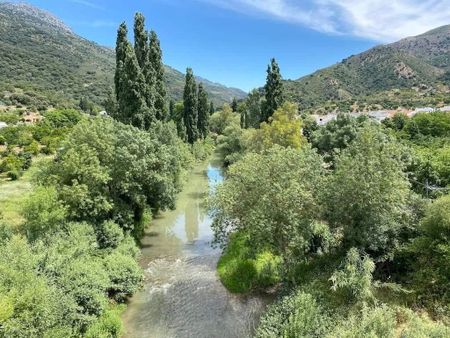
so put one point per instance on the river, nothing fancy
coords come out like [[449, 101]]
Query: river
[[182, 295]]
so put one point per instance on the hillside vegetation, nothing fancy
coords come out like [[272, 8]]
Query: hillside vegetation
[[44, 63], [411, 72]]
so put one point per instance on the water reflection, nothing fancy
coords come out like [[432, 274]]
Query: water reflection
[[182, 296]]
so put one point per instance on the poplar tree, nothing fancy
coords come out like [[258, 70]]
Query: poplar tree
[[190, 115], [132, 104], [140, 40], [121, 45], [155, 57], [142, 51], [273, 91], [203, 112]]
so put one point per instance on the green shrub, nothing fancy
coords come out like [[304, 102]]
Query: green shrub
[[109, 235], [370, 323], [43, 212], [294, 316], [240, 273], [13, 175], [124, 274], [109, 324]]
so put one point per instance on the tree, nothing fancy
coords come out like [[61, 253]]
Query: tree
[[111, 171], [273, 198], [140, 41], [172, 110], [431, 252], [211, 108], [203, 112], [130, 85], [283, 128], [368, 194], [121, 46], [336, 135], [234, 105], [155, 55], [190, 101], [142, 51], [273, 90], [253, 105]]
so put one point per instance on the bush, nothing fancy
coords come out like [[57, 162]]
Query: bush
[[124, 274], [109, 325], [296, 315], [43, 213], [13, 175], [240, 273], [109, 235]]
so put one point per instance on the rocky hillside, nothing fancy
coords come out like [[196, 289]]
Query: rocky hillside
[[414, 70], [43, 62]]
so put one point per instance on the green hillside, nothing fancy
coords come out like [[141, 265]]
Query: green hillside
[[412, 71], [44, 63]]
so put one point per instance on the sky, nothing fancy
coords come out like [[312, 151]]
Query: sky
[[232, 41]]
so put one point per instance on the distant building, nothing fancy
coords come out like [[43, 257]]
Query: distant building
[[424, 110], [31, 118], [446, 108], [3, 125], [379, 115], [103, 113], [322, 120]]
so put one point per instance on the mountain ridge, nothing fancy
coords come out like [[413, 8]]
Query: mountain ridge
[[410, 71], [45, 63]]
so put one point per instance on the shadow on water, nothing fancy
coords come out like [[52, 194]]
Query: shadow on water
[[182, 296]]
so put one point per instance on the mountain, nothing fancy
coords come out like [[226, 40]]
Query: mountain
[[43, 62], [412, 71]]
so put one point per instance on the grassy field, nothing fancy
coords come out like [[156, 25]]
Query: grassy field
[[13, 193]]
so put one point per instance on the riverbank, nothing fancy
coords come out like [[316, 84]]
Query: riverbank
[[182, 295]]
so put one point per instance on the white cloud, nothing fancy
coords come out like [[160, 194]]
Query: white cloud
[[97, 24], [380, 20], [87, 4]]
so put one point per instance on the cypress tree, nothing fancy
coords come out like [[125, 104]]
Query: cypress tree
[[172, 110], [273, 90], [190, 107], [155, 56], [234, 105], [203, 112], [211, 108]]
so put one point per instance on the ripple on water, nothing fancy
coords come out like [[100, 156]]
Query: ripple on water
[[184, 298]]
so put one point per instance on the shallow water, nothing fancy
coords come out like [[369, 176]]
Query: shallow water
[[182, 296]]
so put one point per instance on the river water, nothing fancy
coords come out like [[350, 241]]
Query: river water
[[182, 296]]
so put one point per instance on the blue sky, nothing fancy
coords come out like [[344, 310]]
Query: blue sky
[[232, 41]]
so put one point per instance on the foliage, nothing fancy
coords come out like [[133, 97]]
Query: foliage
[[284, 129], [43, 212], [431, 252], [248, 203], [111, 171], [203, 112], [273, 91], [31, 306], [336, 135], [297, 315], [222, 119], [241, 271], [354, 277], [190, 104], [368, 194]]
